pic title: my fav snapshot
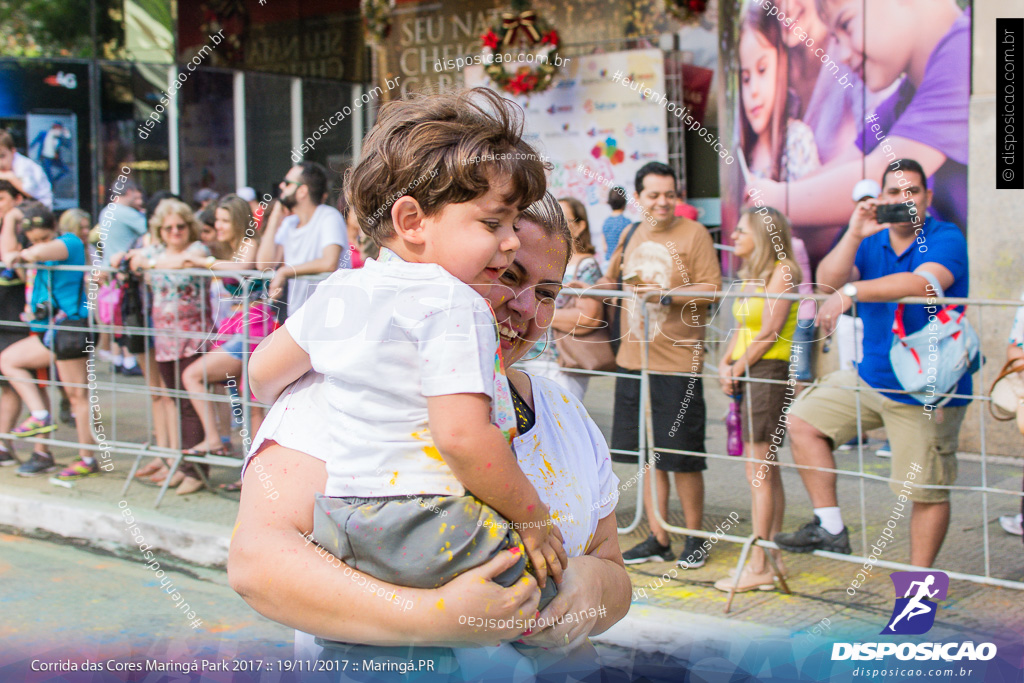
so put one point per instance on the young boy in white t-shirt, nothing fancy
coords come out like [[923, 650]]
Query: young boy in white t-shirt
[[420, 409]]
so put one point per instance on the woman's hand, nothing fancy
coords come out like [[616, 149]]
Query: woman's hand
[[567, 621], [137, 260], [726, 379], [482, 612]]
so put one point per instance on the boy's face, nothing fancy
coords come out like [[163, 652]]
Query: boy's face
[[805, 15], [7, 202], [6, 158], [875, 35], [475, 241]]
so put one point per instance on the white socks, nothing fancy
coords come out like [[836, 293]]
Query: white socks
[[129, 362], [41, 414], [831, 519]]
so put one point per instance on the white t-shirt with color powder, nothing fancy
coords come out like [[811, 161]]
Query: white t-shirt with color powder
[[387, 336], [305, 244], [564, 456]]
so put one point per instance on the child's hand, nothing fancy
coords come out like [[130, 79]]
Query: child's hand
[[544, 548]]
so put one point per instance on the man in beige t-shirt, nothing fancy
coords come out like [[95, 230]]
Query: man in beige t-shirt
[[664, 253]]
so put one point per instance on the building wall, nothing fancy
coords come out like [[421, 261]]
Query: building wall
[[995, 240]]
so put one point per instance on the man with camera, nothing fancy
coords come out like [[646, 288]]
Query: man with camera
[[884, 255]]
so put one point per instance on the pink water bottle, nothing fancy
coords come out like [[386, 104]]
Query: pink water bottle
[[733, 428]]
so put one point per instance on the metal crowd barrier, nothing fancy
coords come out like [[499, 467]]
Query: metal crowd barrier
[[105, 392], [981, 379], [715, 335]]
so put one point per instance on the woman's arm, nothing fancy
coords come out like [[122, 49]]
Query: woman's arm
[[282, 576], [275, 363], [54, 250], [9, 233], [596, 581]]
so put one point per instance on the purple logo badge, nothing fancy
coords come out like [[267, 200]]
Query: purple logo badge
[[917, 595]]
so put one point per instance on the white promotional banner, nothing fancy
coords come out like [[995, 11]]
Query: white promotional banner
[[589, 120]]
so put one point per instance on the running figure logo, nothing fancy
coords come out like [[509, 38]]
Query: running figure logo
[[914, 613]]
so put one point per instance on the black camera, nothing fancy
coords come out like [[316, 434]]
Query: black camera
[[41, 312], [894, 213]]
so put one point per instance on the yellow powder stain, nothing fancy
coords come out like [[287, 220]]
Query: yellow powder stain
[[547, 464], [430, 450], [440, 604], [565, 398], [394, 478], [444, 525], [233, 531]]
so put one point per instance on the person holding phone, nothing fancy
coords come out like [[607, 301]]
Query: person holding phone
[[876, 263]]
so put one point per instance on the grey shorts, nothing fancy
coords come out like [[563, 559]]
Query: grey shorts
[[418, 542]]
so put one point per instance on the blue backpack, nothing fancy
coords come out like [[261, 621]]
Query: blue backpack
[[931, 361]]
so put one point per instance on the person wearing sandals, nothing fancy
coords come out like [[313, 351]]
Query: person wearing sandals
[[235, 250], [583, 271], [57, 297], [761, 348], [181, 317]]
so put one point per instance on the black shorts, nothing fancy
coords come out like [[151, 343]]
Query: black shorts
[[678, 420]]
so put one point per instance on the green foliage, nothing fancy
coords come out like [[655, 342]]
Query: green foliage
[[57, 28]]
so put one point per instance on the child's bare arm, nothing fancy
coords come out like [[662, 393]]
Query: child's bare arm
[[277, 362], [482, 460]]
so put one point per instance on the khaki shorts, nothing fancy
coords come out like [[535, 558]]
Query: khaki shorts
[[923, 447]]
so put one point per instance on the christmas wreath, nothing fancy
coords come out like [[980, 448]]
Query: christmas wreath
[[377, 15], [686, 11], [520, 53]]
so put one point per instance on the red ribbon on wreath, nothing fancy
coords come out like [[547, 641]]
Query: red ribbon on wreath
[[512, 24]]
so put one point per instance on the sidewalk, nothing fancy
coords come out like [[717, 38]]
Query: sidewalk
[[197, 529]]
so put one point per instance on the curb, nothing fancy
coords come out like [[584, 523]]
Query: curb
[[656, 629], [103, 526]]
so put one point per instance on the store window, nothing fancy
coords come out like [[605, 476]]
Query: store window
[[326, 125], [207, 132], [267, 130]]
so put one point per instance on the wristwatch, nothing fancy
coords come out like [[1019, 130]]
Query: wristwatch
[[850, 290]]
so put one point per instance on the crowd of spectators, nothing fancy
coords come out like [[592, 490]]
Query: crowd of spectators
[[192, 265]]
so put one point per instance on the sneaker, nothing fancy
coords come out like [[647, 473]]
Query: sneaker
[[7, 458], [694, 555], [9, 277], [812, 536], [648, 551], [65, 412], [38, 464], [885, 450], [79, 470], [32, 426], [133, 371], [1011, 523], [852, 444]]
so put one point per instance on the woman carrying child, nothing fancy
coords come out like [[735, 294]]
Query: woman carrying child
[[569, 470]]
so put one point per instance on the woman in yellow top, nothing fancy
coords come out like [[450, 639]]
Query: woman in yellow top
[[761, 348]]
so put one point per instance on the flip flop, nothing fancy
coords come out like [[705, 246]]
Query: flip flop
[[231, 488]]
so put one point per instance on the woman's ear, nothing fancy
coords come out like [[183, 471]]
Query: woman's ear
[[407, 217]]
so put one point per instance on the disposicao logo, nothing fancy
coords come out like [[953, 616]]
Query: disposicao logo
[[917, 598], [914, 613]]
